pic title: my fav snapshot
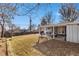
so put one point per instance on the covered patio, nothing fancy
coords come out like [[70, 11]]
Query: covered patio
[[57, 32], [62, 31]]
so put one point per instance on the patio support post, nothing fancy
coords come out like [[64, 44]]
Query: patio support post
[[45, 31], [53, 32], [39, 30]]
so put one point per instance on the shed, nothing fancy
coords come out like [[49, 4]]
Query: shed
[[72, 32]]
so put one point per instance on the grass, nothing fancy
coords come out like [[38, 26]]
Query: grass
[[22, 45]]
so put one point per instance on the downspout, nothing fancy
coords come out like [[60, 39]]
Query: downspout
[[65, 34]]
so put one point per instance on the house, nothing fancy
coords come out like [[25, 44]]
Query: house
[[63, 31]]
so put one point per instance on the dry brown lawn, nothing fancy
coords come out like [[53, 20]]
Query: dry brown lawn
[[25, 45]]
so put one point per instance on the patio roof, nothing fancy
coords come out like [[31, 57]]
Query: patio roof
[[61, 24]]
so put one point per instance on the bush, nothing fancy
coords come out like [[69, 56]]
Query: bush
[[9, 34]]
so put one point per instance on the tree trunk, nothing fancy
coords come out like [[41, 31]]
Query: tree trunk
[[2, 32], [2, 26]]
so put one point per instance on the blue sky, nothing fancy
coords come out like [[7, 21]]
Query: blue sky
[[23, 21]]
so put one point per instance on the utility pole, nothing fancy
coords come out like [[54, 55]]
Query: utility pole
[[30, 23]]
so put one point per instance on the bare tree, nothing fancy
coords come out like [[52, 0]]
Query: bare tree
[[43, 21], [47, 19], [68, 12], [6, 13]]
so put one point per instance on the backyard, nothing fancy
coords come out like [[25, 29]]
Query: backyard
[[25, 45], [21, 24]]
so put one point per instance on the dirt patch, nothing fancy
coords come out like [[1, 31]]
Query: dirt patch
[[2, 48], [58, 48]]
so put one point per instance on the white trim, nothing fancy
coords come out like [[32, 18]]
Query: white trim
[[61, 24]]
